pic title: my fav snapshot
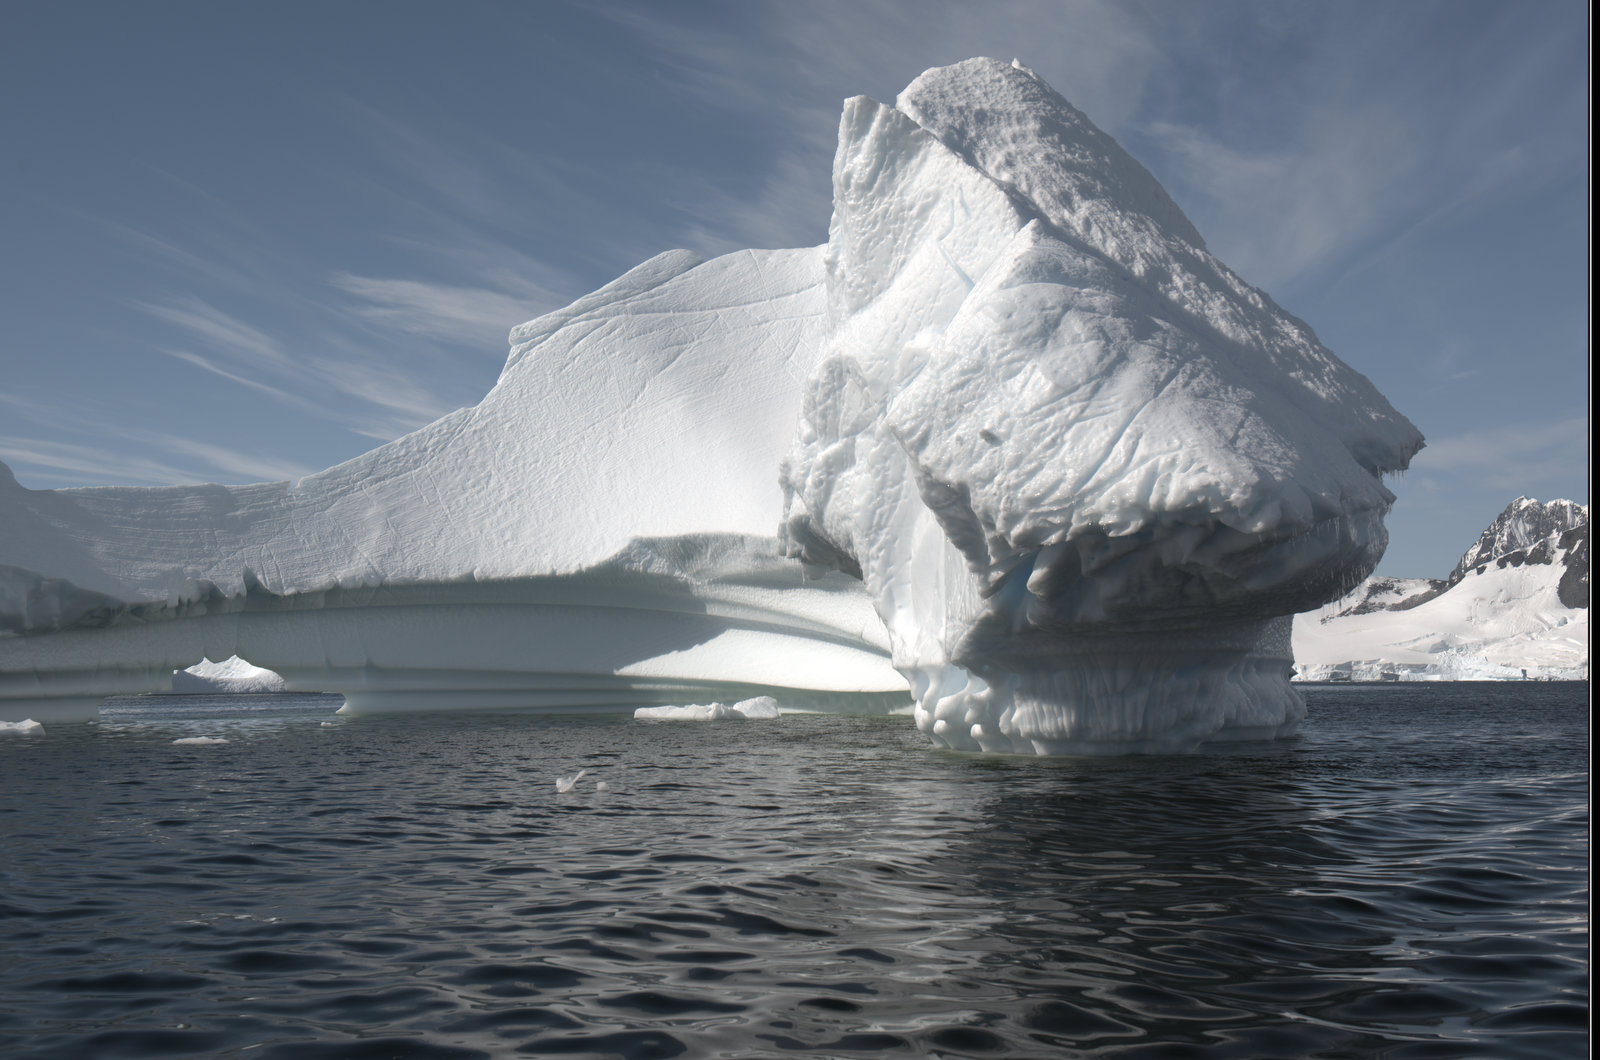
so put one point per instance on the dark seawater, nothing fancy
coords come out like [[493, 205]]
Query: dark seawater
[[1407, 879]]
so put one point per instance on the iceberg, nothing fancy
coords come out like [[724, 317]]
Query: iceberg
[[232, 676], [1086, 472], [760, 708], [1013, 446]]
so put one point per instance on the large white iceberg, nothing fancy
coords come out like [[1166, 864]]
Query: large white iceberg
[[1080, 469]]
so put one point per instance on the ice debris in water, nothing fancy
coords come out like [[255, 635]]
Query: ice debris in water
[[26, 727], [198, 741], [566, 784], [760, 708]]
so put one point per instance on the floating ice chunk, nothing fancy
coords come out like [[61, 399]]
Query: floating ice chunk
[[760, 708], [26, 727], [601, 785], [566, 784], [232, 676], [199, 741]]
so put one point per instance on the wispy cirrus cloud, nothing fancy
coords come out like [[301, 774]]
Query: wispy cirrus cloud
[[1520, 457], [190, 460], [341, 374], [444, 311], [220, 330], [1274, 214]]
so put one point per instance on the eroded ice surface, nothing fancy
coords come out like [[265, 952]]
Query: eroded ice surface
[[1082, 473], [1083, 468]]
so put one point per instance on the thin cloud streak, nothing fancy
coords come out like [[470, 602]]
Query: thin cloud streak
[[222, 330], [440, 310], [95, 465], [1518, 457]]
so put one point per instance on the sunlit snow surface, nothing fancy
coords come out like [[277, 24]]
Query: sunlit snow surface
[[1081, 469], [1515, 608]]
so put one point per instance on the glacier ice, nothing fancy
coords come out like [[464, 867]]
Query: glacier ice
[[1019, 433]]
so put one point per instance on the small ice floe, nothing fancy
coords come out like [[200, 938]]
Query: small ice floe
[[601, 785], [760, 708], [195, 741], [564, 784], [26, 727], [330, 725]]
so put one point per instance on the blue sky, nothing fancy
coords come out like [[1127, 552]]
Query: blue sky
[[246, 241]]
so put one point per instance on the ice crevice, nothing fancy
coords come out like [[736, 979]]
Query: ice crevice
[[1011, 448]]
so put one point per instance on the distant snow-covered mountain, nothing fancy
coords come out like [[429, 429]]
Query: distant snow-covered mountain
[[1515, 607]]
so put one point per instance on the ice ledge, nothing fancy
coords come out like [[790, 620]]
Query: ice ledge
[[680, 620]]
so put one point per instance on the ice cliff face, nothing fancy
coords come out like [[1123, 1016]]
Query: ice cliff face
[[1083, 468], [1516, 606]]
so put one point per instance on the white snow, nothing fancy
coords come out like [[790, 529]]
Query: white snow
[[1498, 625], [1084, 472], [759, 708], [1502, 619], [26, 727], [232, 676]]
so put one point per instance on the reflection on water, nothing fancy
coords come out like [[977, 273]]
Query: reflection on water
[[1409, 878]]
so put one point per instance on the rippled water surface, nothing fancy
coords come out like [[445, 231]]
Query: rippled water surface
[[1407, 879]]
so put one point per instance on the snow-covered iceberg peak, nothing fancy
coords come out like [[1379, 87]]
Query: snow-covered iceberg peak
[[1083, 468]]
